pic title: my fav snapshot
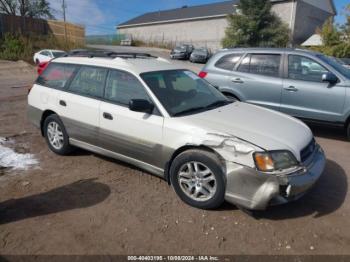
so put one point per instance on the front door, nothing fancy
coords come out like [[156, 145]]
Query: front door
[[305, 95], [132, 134]]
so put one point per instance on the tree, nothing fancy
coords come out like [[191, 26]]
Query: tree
[[329, 33], [254, 24], [27, 8]]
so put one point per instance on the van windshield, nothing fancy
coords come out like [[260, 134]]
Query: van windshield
[[336, 65]]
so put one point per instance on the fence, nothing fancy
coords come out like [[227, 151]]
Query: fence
[[26, 26], [111, 39]]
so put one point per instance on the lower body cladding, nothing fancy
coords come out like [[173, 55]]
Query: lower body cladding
[[254, 190]]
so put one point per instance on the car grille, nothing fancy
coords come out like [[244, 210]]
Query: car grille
[[308, 150]]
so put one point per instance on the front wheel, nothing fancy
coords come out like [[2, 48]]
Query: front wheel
[[198, 179]]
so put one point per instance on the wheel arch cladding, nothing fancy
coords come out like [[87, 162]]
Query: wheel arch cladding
[[184, 149], [45, 114]]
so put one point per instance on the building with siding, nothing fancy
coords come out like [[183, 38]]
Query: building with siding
[[204, 25]]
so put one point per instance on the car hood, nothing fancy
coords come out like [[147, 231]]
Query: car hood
[[265, 128]]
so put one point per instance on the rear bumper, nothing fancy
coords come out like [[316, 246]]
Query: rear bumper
[[254, 190]]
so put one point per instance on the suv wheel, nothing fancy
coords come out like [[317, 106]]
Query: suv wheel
[[56, 135], [231, 97], [198, 179]]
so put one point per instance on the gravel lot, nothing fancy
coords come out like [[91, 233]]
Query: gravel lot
[[89, 204]]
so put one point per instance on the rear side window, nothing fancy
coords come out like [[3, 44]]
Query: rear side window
[[56, 75], [89, 81], [121, 87], [261, 64], [228, 62]]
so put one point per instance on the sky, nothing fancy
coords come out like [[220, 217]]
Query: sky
[[101, 16]]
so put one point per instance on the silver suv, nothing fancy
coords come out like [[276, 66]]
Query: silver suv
[[166, 120], [301, 83]]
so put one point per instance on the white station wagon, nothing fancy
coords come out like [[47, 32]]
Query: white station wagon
[[166, 120]]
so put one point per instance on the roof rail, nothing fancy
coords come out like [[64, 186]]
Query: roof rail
[[104, 53]]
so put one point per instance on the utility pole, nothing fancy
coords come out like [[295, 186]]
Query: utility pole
[[64, 20]]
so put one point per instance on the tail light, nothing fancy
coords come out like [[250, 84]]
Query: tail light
[[41, 67], [202, 74]]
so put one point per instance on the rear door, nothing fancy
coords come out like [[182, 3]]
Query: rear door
[[133, 134], [258, 79], [79, 105], [304, 93]]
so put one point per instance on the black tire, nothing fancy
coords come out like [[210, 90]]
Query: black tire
[[348, 131], [211, 161], [66, 147]]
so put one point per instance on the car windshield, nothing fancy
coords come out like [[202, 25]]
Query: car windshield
[[180, 48], [57, 54], [200, 51], [336, 65], [182, 92]]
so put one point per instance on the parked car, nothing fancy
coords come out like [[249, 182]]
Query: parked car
[[173, 124], [47, 55], [182, 52], [301, 83], [200, 55]]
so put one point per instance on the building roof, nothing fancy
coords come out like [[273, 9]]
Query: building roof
[[184, 13], [314, 40]]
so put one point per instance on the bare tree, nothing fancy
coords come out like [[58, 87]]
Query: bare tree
[[27, 8]]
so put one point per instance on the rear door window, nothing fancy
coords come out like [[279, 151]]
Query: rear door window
[[56, 75], [261, 64], [228, 62], [89, 81]]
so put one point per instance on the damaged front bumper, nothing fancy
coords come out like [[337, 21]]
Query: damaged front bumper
[[255, 190]]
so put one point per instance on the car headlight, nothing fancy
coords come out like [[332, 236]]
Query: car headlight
[[274, 160]]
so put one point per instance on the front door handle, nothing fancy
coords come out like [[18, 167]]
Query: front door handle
[[237, 80], [63, 103], [291, 89], [107, 116]]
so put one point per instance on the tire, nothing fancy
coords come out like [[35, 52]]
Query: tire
[[37, 62], [210, 170], [348, 131], [61, 147]]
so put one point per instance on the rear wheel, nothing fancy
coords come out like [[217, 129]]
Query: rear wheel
[[56, 135], [198, 179]]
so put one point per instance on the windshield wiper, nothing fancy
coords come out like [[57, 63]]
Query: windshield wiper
[[218, 104], [191, 110], [201, 108]]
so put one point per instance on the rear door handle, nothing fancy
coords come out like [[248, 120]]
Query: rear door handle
[[63, 103], [107, 116], [291, 89], [237, 80]]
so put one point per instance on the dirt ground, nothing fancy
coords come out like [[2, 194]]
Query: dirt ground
[[89, 204]]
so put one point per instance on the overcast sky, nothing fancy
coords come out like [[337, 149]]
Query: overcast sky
[[101, 16]]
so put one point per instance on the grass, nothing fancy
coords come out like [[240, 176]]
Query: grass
[[18, 47]]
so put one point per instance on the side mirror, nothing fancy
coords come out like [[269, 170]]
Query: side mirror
[[141, 105], [330, 78]]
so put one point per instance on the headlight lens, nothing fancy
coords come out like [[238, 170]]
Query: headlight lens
[[274, 160]]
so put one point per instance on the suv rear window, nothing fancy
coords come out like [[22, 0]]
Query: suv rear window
[[56, 75], [228, 62]]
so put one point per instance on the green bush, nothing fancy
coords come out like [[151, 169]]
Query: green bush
[[17, 47]]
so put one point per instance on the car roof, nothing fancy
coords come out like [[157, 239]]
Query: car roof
[[134, 65], [268, 50]]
